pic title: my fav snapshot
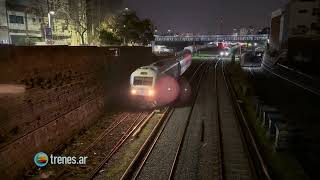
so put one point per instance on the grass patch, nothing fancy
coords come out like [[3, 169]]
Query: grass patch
[[282, 165], [200, 56]]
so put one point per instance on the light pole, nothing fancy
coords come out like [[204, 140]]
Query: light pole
[[125, 11], [124, 37], [51, 13], [48, 31]]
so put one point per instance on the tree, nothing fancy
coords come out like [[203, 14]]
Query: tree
[[109, 31], [147, 30], [127, 27], [76, 14], [108, 37]]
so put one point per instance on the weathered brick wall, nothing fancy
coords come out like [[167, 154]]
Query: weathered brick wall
[[67, 88]]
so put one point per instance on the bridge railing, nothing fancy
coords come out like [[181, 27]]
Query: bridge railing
[[209, 38]]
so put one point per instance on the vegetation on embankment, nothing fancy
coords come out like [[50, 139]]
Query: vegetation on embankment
[[282, 165]]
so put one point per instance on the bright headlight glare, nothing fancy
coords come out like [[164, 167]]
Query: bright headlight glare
[[150, 92], [133, 91], [221, 53]]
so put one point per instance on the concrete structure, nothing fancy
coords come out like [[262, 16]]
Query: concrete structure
[[277, 28], [297, 18], [303, 16]]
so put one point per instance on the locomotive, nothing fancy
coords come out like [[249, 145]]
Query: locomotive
[[157, 84]]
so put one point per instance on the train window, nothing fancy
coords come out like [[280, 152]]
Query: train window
[[148, 81], [145, 81]]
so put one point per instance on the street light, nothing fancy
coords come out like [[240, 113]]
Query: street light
[[48, 31], [124, 37], [127, 9], [51, 13]]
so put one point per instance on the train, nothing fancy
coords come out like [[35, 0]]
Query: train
[[158, 83]]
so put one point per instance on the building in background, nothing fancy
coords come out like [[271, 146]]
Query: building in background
[[26, 22], [4, 29], [24, 25], [235, 32], [18, 23], [251, 30], [68, 21], [277, 28], [243, 31], [265, 30], [303, 17], [297, 18]]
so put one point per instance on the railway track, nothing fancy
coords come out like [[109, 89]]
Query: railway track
[[231, 156], [178, 151], [123, 139], [257, 162], [137, 128], [310, 89], [136, 166], [104, 146], [236, 160]]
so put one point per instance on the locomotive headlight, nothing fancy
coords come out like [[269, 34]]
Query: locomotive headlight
[[150, 92], [133, 91], [221, 53], [227, 54]]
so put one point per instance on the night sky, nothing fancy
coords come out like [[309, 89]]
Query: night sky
[[202, 16]]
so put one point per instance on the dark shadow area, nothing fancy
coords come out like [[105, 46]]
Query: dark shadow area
[[301, 110]]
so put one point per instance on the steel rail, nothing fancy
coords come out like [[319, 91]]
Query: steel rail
[[122, 140], [178, 151], [222, 166], [310, 89], [246, 128], [134, 169]]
